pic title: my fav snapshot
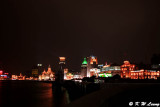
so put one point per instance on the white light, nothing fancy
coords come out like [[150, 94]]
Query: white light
[[39, 64]]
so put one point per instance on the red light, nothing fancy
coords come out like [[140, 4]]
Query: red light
[[1, 72], [6, 73], [5, 76]]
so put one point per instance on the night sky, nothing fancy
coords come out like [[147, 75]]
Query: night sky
[[39, 31]]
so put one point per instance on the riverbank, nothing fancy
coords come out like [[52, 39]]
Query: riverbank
[[117, 95]]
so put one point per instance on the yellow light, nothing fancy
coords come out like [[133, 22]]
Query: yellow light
[[62, 58]]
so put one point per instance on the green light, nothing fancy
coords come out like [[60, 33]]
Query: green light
[[105, 75], [84, 62]]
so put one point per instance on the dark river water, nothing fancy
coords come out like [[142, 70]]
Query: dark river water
[[41, 94], [30, 94]]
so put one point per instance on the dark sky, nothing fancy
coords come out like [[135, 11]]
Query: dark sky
[[39, 31]]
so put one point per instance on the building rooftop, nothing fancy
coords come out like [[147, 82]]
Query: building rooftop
[[84, 61]]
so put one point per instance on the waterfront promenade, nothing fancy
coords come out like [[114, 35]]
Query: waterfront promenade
[[118, 94]]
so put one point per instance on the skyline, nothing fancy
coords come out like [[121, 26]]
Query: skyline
[[56, 67], [40, 31]]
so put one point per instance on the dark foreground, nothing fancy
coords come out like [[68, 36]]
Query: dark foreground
[[121, 95], [41, 94]]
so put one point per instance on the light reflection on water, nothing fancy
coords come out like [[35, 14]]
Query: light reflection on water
[[31, 94]]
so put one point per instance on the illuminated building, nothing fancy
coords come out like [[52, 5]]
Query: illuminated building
[[92, 66], [77, 76], [49, 75], [20, 77], [84, 68], [94, 72], [14, 77], [62, 60], [151, 74], [112, 69], [145, 74], [3, 76], [126, 69], [63, 68], [100, 66], [137, 74], [65, 73], [89, 67], [69, 76], [93, 61]]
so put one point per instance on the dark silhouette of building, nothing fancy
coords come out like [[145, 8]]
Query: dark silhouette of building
[[35, 71], [155, 62], [60, 73]]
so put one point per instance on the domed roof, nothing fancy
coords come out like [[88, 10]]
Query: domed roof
[[84, 61]]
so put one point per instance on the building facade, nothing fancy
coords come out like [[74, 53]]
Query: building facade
[[144, 74], [126, 69], [112, 70], [89, 67], [92, 66], [84, 68], [47, 75]]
